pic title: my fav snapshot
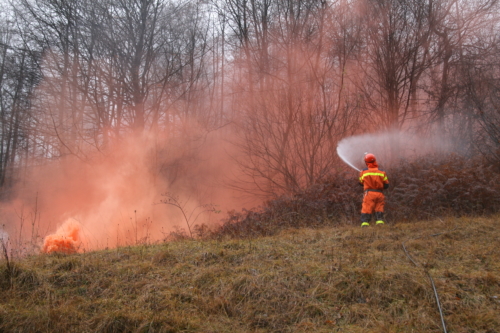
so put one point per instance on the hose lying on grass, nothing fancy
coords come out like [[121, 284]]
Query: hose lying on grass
[[429, 275]]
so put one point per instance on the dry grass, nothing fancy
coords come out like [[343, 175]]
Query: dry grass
[[342, 279]]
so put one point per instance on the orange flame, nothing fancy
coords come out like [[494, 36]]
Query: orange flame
[[65, 240]]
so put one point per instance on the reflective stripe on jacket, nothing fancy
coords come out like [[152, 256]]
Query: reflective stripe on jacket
[[372, 178]]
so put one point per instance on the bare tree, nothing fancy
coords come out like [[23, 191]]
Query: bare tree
[[18, 76], [478, 81], [398, 34], [289, 130], [462, 40]]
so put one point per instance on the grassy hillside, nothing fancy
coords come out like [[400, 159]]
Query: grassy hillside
[[333, 279]]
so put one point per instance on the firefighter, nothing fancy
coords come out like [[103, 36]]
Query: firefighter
[[374, 181]]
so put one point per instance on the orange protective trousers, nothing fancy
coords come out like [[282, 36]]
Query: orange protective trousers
[[373, 202]]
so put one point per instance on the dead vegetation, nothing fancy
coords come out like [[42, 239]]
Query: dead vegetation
[[343, 279], [427, 188]]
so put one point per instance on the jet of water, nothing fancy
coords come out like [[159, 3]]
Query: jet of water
[[390, 147], [344, 154]]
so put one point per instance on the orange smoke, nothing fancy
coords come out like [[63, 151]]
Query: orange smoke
[[113, 196], [65, 240]]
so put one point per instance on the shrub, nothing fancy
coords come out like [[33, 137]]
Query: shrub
[[425, 188]]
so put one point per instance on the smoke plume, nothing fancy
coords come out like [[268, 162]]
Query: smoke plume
[[65, 240], [114, 197]]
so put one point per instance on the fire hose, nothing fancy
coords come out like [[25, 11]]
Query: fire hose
[[429, 276]]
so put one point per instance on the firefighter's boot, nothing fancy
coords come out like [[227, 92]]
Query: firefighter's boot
[[379, 217], [365, 220]]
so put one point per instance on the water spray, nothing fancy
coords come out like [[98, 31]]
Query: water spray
[[391, 147], [340, 152], [352, 149]]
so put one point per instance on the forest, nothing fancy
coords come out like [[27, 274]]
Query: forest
[[252, 96]]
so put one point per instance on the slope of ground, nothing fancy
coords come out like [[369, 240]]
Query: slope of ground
[[332, 279]]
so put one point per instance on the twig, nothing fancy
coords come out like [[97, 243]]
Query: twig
[[174, 201]]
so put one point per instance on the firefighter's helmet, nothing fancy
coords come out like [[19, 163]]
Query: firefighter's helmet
[[370, 158]]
